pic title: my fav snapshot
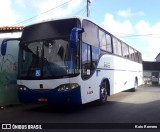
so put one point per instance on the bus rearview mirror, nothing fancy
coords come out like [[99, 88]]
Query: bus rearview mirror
[[4, 44], [74, 36]]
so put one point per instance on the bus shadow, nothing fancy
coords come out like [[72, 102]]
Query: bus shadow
[[115, 112], [66, 108], [110, 112]]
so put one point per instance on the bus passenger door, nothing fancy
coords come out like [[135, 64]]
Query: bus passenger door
[[90, 57]]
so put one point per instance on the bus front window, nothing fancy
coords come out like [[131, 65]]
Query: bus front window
[[47, 59]]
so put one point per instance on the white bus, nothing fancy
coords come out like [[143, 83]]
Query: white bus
[[74, 61]]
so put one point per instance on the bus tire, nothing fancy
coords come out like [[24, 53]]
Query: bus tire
[[103, 93]]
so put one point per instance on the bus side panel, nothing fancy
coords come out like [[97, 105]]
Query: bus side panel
[[114, 70], [122, 76], [106, 64], [125, 73], [120, 72]]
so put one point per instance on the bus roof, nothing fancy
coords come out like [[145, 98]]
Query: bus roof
[[81, 19]]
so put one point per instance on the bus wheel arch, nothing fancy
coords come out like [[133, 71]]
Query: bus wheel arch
[[108, 85]]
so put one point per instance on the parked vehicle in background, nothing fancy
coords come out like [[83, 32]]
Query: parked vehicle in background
[[8, 74]]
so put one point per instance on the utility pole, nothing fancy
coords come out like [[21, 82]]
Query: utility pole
[[88, 2]]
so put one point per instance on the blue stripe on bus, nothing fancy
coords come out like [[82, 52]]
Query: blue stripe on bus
[[52, 96], [116, 70]]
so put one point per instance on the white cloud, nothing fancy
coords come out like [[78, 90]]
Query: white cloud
[[63, 11], [152, 38], [149, 35], [129, 13], [117, 27], [124, 13], [21, 3], [143, 27], [8, 16]]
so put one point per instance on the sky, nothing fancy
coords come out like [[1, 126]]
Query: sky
[[137, 22]]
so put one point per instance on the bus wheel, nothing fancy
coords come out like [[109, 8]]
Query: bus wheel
[[103, 93]]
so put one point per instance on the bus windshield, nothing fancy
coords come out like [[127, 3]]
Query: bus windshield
[[47, 59], [45, 50]]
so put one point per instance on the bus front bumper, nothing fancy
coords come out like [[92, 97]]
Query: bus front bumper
[[49, 96]]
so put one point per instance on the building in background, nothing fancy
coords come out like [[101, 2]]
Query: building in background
[[151, 71], [8, 66], [157, 58], [10, 31]]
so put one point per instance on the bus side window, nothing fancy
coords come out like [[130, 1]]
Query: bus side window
[[125, 50], [136, 55], [131, 51], [90, 57], [90, 34], [139, 57], [95, 57], [86, 60], [109, 43], [102, 40], [117, 48]]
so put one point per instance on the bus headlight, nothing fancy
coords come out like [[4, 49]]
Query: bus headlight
[[22, 88], [73, 85], [67, 87]]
